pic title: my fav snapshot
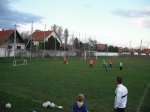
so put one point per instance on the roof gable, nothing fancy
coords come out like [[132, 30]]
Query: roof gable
[[4, 35], [39, 35]]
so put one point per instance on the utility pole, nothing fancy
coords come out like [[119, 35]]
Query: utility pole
[[79, 41], [64, 45], [148, 45], [85, 48], [141, 47], [44, 41], [130, 48], [15, 41], [31, 41], [73, 40], [55, 45], [130, 44]]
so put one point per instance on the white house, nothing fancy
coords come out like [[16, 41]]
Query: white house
[[7, 44], [41, 36]]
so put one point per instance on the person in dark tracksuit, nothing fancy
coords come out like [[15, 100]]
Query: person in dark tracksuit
[[78, 105]]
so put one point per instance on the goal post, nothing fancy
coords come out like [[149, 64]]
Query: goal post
[[19, 62], [89, 54]]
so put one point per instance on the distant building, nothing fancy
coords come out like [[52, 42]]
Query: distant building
[[147, 51], [101, 47], [68, 47]]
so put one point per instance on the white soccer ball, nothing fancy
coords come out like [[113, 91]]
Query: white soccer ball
[[60, 107], [33, 111], [44, 105], [48, 103], [8, 105], [52, 105]]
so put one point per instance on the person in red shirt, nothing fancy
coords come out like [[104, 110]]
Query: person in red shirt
[[91, 63], [110, 62]]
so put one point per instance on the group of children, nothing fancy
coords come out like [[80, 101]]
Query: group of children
[[104, 64]]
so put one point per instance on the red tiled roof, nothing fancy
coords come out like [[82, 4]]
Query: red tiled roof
[[5, 34], [147, 50], [101, 46], [39, 35]]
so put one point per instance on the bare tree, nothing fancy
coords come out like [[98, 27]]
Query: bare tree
[[55, 27], [25, 35]]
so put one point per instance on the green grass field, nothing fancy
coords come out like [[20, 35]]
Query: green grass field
[[25, 87]]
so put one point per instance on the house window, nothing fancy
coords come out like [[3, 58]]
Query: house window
[[18, 47], [9, 47]]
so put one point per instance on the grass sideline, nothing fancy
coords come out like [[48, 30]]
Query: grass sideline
[[49, 79]]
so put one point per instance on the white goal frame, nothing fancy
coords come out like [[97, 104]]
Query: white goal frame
[[87, 54], [22, 62]]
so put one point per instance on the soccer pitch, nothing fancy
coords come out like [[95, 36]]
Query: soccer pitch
[[27, 87]]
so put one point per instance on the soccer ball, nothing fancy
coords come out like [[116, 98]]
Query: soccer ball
[[44, 105], [48, 103], [52, 105], [60, 107], [33, 111], [8, 105]]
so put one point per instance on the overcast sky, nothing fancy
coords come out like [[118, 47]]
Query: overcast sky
[[118, 22]]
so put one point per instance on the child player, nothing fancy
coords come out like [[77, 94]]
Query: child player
[[110, 63], [91, 63], [120, 65], [65, 59]]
